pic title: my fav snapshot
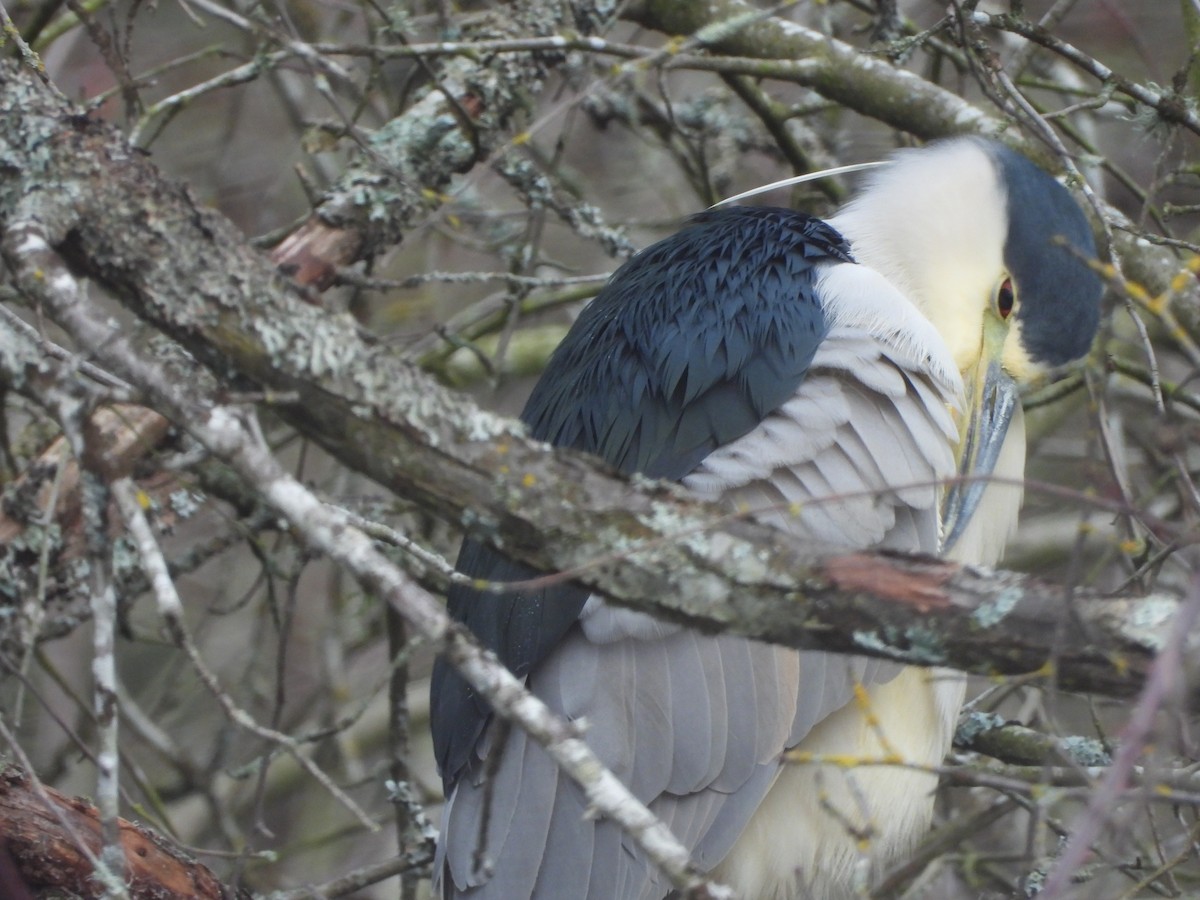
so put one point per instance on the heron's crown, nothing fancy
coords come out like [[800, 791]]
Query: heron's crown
[[946, 224]]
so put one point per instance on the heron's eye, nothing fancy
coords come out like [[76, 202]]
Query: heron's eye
[[1006, 297]]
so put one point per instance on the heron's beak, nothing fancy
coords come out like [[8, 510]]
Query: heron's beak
[[992, 399]]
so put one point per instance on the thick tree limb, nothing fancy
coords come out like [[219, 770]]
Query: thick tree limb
[[43, 852], [874, 87], [870, 85], [186, 270], [232, 435], [47, 492]]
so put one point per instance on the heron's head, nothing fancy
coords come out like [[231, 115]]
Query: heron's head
[[995, 253], [989, 247]]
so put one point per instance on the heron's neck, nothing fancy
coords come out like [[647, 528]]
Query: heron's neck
[[946, 272]]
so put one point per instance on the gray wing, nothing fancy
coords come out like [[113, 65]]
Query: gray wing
[[695, 724], [854, 458]]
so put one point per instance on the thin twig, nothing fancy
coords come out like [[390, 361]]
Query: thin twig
[[226, 433], [170, 607], [1164, 682]]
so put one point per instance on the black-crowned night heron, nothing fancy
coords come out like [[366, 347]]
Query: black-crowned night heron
[[829, 374]]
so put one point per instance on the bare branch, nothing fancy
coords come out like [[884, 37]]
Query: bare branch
[[523, 150], [1165, 683], [227, 434], [1171, 107], [660, 550], [53, 840]]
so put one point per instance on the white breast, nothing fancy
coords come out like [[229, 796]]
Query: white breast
[[873, 424]]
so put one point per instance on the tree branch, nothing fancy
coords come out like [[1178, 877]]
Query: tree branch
[[42, 829], [459, 121], [233, 435], [186, 270]]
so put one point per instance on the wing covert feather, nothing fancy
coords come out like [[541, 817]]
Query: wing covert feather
[[629, 384], [877, 438]]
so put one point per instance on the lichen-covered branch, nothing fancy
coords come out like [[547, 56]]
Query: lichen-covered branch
[[872, 86], [1161, 686], [457, 168], [459, 121], [232, 435], [184, 269], [1171, 106], [867, 84]]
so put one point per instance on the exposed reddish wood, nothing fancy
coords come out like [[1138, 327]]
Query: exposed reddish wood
[[312, 254], [12, 882], [916, 585], [473, 105], [117, 436], [45, 854]]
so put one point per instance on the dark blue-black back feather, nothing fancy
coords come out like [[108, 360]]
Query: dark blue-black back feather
[[688, 347]]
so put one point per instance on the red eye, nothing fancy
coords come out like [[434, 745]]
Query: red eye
[[1005, 298]]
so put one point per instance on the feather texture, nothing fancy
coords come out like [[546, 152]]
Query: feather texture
[[695, 725], [688, 347], [752, 358]]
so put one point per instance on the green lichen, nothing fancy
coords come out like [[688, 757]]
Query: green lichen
[[924, 645], [913, 644], [995, 609], [126, 561], [1086, 751], [971, 725], [184, 503], [1147, 620], [20, 557], [870, 640]]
